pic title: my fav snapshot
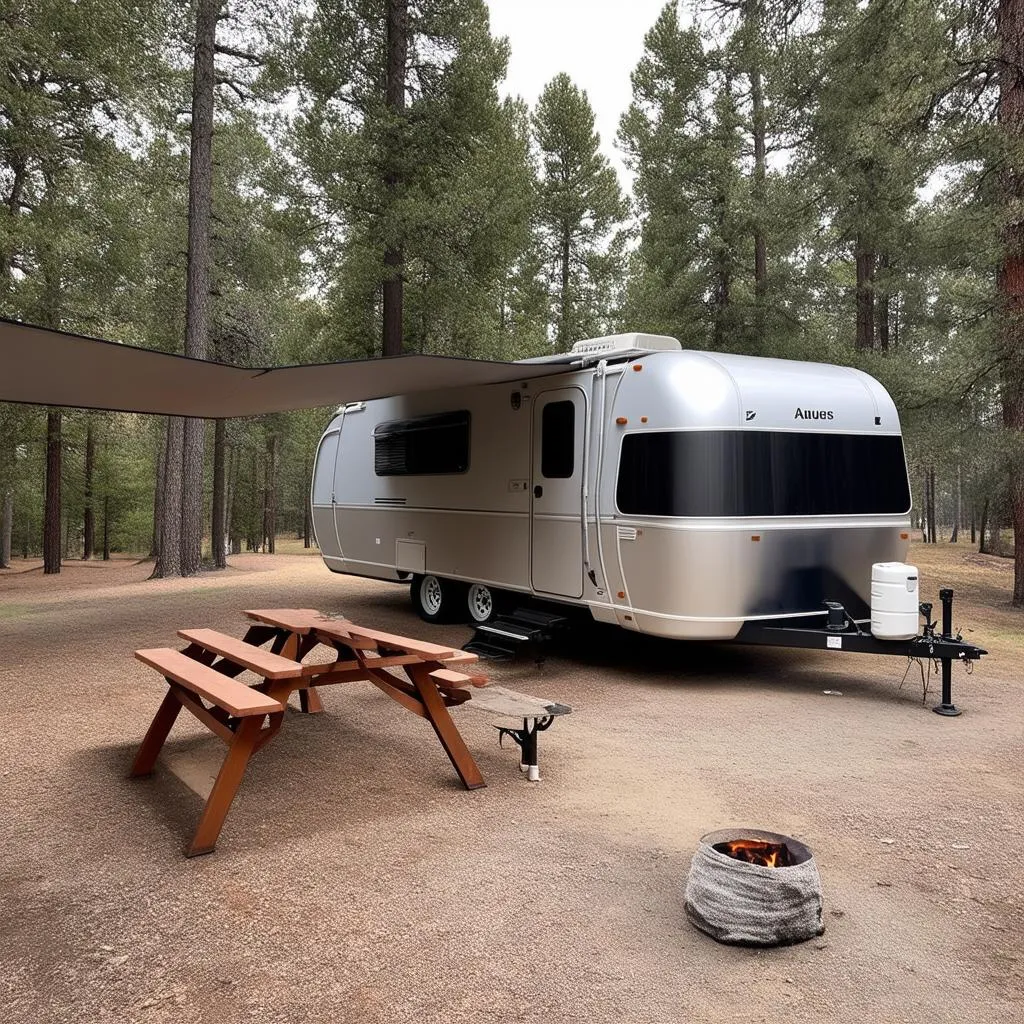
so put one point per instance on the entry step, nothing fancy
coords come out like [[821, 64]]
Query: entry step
[[524, 631]]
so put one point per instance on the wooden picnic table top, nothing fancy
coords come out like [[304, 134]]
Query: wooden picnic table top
[[304, 621], [256, 659], [295, 620]]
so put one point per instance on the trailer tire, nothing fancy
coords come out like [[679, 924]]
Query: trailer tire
[[481, 603], [436, 599]]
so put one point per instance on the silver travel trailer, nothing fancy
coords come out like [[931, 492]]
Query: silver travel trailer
[[677, 493]]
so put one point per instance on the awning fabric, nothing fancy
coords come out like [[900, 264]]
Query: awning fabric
[[44, 367]]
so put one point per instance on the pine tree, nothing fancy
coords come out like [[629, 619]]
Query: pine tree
[[579, 205], [676, 278], [405, 189]]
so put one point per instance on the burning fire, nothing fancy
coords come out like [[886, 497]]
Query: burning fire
[[757, 851]]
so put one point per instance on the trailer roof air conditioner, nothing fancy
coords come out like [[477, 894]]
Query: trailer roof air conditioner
[[612, 346]]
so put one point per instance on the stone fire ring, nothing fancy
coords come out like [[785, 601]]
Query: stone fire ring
[[750, 905]]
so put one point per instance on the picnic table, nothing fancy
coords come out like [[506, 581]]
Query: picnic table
[[202, 678]]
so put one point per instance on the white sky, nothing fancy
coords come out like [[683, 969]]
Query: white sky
[[597, 43]]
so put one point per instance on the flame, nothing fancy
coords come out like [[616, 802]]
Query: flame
[[757, 851]]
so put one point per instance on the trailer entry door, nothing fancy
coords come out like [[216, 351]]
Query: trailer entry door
[[556, 565]]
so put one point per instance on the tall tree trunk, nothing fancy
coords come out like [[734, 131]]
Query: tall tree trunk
[[722, 287], [983, 527], [168, 562], [89, 526], [259, 501], [158, 498], [565, 258], [51, 517], [232, 530], [270, 495], [6, 527], [197, 285], [865, 296], [883, 304], [932, 528], [219, 516], [307, 517], [106, 527], [1010, 29], [753, 15], [397, 17], [958, 515]]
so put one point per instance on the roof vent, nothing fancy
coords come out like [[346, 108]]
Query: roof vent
[[621, 343]]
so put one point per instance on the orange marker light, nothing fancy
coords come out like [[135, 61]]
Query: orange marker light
[[755, 537], [622, 593], [904, 536], [622, 421], [638, 367], [643, 419]]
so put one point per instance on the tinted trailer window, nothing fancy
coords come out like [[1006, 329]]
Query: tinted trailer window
[[424, 446], [731, 473]]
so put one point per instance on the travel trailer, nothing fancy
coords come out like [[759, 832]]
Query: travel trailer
[[677, 493]]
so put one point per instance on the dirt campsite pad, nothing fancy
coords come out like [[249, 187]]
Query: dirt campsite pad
[[355, 879]]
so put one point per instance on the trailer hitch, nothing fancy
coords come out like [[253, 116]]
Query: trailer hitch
[[842, 632]]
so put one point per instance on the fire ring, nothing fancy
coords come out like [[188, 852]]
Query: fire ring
[[747, 887]]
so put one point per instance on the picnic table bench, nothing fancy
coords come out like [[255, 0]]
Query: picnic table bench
[[203, 679]]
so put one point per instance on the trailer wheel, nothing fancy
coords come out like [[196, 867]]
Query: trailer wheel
[[481, 602], [435, 599]]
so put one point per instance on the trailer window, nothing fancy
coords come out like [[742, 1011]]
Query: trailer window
[[558, 440], [761, 473], [426, 445]]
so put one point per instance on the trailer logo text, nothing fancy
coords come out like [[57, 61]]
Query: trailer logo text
[[814, 414]]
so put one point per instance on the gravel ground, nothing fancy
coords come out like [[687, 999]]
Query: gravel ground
[[356, 881]]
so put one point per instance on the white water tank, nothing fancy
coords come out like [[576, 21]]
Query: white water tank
[[894, 601]]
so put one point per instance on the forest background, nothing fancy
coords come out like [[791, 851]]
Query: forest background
[[267, 182]]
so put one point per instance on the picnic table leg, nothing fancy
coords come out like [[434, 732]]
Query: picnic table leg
[[224, 789], [153, 741], [437, 714], [309, 701], [291, 645]]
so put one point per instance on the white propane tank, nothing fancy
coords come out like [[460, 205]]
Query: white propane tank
[[894, 601]]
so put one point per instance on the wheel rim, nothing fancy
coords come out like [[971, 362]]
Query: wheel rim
[[481, 602], [430, 595]]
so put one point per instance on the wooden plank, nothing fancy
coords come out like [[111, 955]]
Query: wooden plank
[[263, 663], [235, 697], [461, 657], [448, 677], [295, 620], [403, 643]]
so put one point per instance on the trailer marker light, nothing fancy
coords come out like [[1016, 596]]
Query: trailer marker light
[[643, 419], [638, 367], [904, 536], [755, 537], [622, 421]]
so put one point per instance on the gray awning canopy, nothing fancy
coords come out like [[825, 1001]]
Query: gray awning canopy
[[44, 367]]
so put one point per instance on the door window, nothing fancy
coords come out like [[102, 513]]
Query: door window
[[558, 434]]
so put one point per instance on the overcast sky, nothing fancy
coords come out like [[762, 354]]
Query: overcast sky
[[596, 42]]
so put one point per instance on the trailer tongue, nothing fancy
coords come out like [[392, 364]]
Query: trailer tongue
[[842, 633]]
